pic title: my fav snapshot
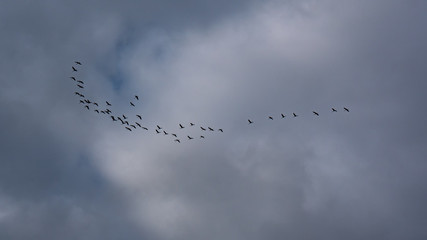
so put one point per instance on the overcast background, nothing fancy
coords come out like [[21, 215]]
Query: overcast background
[[69, 173]]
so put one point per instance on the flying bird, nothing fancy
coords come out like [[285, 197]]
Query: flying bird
[[159, 127], [144, 128], [78, 63], [283, 115], [112, 117], [139, 116], [334, 110], [128, 129], [73, 78], [157, 131], [133, 105], [220, 130], [211, 129], [204, 129], [189, 138], [133, 126], [80, 86], [173, 134], [94, 103], [124, 116], [346, 109], [80, 81], [87, 107], [139, 125], [136, 97], [96, 110], [81, 101], [250, 122], [295, 115], [103, 112], [180, 125], [109, 104], [202, 136], [165, 132], [270, 117], [74, 69], [177, 140], [315, 113], [191, 124]]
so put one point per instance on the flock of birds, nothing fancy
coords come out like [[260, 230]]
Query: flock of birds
[[135, 122]]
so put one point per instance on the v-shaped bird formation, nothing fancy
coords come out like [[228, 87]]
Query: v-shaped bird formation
[[135, 122]]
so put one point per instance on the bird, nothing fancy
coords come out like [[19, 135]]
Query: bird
[[250, 122], [270, 117], [96, 110], [81, 95], [87, 101], [74, 69], [107, 110], [191, 124], [103, 112], [127, 123], [81, 101], [295, 115], [283, 115], [112, 117], [173, 134], [202, 136], [122, 121], [87, 107], [139, 116], [159, 127], [220, 130], [80, 86], [133, 105], [136, 97], [177, 140], [139, 125], [119, 119], [124, 116], [133, 126], [94, 103], [334, 110], [189, 138], [128, 129], [165, 132], [346, 109], [211, 129], [144, 128], [80, 81], [78, 63], [77, 93], [73, 78], [315, 113], [180, 125], [109, 104], [204, 129], [157, 131]]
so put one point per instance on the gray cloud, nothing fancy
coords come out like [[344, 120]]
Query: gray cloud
[[68, 173]]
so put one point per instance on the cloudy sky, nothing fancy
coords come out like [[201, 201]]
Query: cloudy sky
[[70, 173]]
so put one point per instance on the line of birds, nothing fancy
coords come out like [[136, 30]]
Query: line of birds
[[296, 115], [129, 125]]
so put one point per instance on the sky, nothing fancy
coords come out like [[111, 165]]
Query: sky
[[69, 173]]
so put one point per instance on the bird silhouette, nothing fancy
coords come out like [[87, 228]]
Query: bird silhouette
[[202, 136], [80, 81], [94, 103], [210, 129], [87, 107], [81, 101], [128, 129], [96, 110], [144, 128], [204, 129], [74, 69], [159, 127], [139, 116], [220, 130], [346, 109], [139, 125], [80, 86], [133, 126], [191, 124], [283, 115], [157, 131], [177, 140], [127, 123], [124, 117], [133, 105], [165, 132], [78, 63], [112, 117], [270, 117], [73, 78], [173, 134], [180, 125], [250, 122], [109, 104], [103, 112], [295, 115], [137, 98], [334, 110], [315, 113], [189, 138]]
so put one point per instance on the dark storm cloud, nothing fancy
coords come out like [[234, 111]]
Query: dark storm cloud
[[65, 173]]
